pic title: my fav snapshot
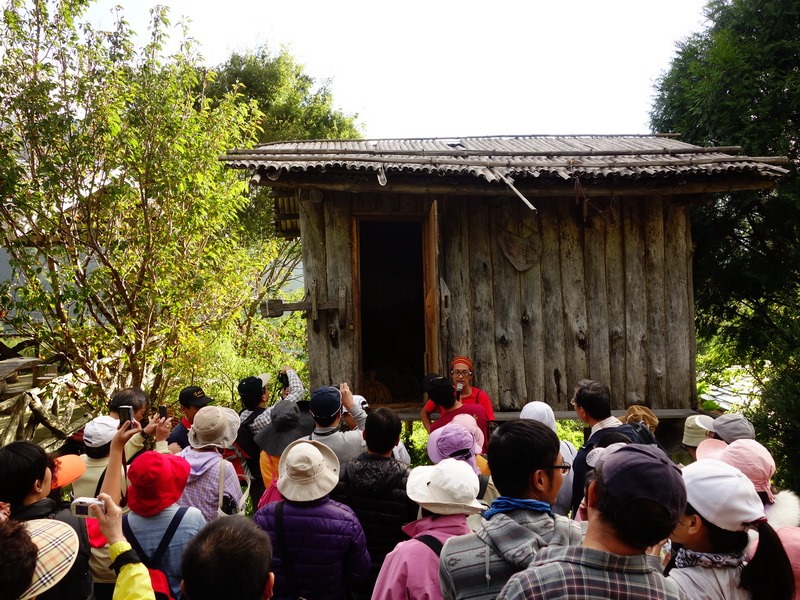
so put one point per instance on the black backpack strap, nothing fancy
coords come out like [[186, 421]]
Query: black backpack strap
[[153, 563], [483, 483], [100, 482], [431, 542]]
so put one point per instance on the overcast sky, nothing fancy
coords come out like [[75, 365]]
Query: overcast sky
[[434, 68]]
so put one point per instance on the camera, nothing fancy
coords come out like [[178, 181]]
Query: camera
[[162, 411], [125, 414], [80, 506], [284, 379]]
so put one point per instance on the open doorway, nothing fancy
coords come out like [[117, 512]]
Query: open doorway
[[392, 307]]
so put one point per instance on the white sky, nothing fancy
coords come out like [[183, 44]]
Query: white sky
[[436, 68]]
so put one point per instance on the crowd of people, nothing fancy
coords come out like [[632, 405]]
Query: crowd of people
[[505, 510]]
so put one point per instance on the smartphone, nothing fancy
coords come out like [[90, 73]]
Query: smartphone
[[80, 506], [125, 414], [162, 411]]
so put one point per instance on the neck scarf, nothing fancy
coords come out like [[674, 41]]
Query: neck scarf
[[688, 558], [504, 504]]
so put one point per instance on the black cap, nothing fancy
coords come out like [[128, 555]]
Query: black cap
[[193, 396], [439, 389]]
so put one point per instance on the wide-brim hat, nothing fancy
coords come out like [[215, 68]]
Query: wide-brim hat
[[468, 421], [453, 441], [57, 543], [215, 426], [307, 470], [447, 488], [68, 468], [157, 481], [287, 425]]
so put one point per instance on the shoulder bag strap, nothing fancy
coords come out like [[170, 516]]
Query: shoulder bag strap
[[221, 482], [100, 482], [431, 542]]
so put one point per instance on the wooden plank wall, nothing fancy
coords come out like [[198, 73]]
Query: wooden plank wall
[[609, 299]]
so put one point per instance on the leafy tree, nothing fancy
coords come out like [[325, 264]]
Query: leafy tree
[[120, 220], [294, 105], [738, 83]]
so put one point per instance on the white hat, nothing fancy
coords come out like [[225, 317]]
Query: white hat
[[447, 488], [100, 431], [214, 426], [264, 377], [722, 495], [307, 470], [596, 454], [360, 400]]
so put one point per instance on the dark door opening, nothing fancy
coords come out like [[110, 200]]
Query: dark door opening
[[392, 307]]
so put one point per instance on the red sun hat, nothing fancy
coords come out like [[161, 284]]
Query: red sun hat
[[157, 481]]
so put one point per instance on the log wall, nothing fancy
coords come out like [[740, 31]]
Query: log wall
[[608, 296]]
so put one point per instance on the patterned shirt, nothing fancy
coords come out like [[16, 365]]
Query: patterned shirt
[[575, 572], [296, 391]]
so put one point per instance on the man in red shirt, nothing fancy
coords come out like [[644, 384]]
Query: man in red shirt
[[461, 369], [442, 393]]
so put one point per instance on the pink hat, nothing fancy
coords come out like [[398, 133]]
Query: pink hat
[[453, 441], [468, 421], [750, 457]]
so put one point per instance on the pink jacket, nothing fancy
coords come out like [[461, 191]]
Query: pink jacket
[[411, 570]]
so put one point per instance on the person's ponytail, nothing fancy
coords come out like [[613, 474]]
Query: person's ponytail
[[768, 575]]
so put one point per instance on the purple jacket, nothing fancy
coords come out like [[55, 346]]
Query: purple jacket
[[325, 544]]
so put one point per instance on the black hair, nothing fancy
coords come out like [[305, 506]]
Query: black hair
[[638, 523], [594, 398], [99, 452], [133, 397], [229, 558], [327, 421], [22, 464], [17, 560], [768, 575], [516, 450], [382, 430]]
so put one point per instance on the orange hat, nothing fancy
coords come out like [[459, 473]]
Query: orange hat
[[462, 359], [68, 468]]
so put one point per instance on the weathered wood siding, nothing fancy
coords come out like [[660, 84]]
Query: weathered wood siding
[[608, 296]]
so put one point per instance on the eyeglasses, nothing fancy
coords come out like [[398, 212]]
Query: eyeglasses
[[565, 467], [460, 372]]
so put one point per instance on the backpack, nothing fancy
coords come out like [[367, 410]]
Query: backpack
[[158, 579], [225, 504], [245, 440]]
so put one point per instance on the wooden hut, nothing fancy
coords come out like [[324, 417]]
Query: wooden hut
[[547, 259]]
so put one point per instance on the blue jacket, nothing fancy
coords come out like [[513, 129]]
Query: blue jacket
[[325, 544]]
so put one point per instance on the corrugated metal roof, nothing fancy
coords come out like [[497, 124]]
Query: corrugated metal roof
[[520, 157]]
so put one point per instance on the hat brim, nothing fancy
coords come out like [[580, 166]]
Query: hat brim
[[308, 490], [274, 442], [417, 490], [223, 441], [57, 543], [70, 468], [201, 402], [705, 422], [710, 448]]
